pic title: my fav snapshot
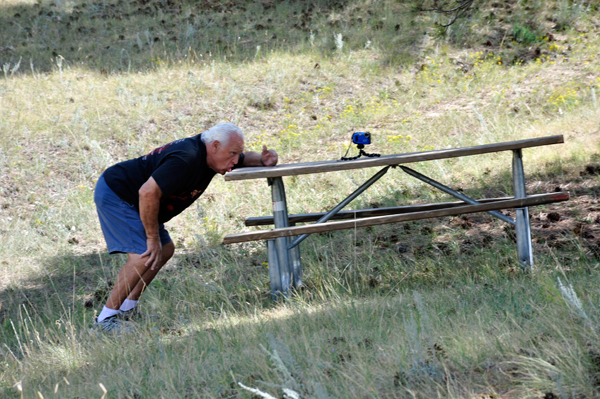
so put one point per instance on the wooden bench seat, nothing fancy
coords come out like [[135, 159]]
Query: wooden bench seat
[[532, 200], [363, 213]]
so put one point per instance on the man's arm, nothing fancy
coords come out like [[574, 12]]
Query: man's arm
[[150, 194], [266, 158]]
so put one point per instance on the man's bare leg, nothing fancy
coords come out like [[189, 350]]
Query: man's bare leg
[[131, 275], [149, 274]]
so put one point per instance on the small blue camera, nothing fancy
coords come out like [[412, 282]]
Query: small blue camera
[[361, 138]]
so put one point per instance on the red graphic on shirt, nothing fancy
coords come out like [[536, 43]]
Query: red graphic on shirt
[[161, 149], [182, 199], [157, 150], [177, 197]]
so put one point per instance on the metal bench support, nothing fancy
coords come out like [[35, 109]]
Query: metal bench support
[[523, 228], [454, 193], [342, 204]]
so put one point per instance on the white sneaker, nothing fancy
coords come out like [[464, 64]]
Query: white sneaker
[[113, 325]]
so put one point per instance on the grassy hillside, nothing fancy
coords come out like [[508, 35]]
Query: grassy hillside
[[438, 308]]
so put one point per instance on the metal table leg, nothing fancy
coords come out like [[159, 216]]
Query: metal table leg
[[294, 257], [523, 229], [274, 271], [278, 252]]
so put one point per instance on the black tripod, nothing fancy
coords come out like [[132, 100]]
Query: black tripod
[[361, 152]]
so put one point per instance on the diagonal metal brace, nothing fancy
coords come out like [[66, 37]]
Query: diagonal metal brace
[[342, 204], [455, 193]]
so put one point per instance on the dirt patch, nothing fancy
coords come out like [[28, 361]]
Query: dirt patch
[[568, 226]]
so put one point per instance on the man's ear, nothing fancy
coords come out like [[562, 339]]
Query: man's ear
[[215, 145]]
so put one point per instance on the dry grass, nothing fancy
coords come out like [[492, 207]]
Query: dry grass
[[437, 308]]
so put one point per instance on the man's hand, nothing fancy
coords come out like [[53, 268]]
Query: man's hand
[[153, 252], [268, 157], [150, 195]]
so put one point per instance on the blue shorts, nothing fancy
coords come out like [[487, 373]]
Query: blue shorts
[[121, 224]]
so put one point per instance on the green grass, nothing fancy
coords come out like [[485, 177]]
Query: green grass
[[438, 308]]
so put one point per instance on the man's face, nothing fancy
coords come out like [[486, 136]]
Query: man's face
[[222, 158]]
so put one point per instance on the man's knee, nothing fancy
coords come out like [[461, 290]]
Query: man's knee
[[167, 251]]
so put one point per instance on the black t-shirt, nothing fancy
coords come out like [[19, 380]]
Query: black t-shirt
[[179, 168]]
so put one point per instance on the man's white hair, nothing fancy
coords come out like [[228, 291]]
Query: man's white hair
[[222, 132]]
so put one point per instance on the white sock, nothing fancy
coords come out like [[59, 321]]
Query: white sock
[[106, 313], [128, 305]]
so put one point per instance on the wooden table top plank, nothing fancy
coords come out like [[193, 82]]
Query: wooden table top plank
[[385, 160], [538, 199]]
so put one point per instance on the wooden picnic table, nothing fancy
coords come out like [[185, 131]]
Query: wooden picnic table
[[285, 268]]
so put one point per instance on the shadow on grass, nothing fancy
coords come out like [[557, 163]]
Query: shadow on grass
[[406, 341], [113, 36], [209, 304], [70, 287], [65, 284]]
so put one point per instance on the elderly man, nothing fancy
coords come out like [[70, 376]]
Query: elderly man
[[135, 198]]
